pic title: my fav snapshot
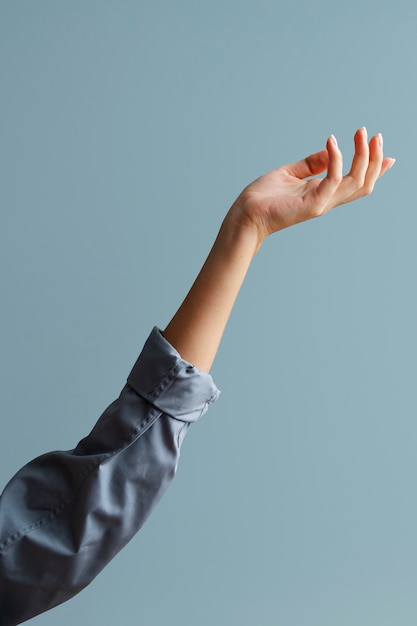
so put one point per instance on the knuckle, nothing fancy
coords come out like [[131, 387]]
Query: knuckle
[[357, 182], [318, 211], [368, 188], [336, 179]]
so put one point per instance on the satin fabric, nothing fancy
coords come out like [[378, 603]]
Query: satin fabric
[[65, 515]]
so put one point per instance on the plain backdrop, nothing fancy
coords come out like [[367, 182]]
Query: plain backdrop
[[127, 128]]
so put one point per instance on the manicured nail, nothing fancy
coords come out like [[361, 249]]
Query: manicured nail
[[333, 140], [380, 140], [363, 129], [392, 163]]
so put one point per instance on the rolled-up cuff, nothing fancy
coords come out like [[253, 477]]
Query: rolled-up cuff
[[173, 385]]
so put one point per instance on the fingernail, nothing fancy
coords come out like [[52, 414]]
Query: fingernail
[[380, 140], [365, 131], [333, 140], [392, 163]]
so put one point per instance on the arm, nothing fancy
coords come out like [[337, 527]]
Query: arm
[[275, 201], [66, 514]]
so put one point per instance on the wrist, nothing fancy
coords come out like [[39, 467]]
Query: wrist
[[242, 226]]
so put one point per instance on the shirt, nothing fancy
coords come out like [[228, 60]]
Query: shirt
[[65, 515]]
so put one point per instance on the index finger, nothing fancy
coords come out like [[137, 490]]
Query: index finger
[[331, 182]]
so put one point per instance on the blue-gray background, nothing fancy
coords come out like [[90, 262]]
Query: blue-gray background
[[126, 131]]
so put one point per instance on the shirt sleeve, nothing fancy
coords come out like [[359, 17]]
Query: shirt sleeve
[[65, 515]]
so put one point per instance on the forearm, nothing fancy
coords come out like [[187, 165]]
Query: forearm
[[197, 327], [277, 200]]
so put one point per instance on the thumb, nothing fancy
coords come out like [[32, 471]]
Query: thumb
[[310, 166]]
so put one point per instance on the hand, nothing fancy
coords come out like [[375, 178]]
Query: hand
[[273, 202], [286, 196]]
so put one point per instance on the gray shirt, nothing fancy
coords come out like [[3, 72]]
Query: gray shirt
[[66, 514]]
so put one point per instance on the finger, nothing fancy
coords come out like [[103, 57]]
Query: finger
[[387, 164], [377, 167], [375, 164], [360, 162], [373, 172], [329, 185], [310, 166]]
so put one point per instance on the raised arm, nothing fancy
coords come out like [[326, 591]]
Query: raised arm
[[67, 513], [284, 197]]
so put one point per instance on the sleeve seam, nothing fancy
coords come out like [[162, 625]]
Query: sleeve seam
[[11, 539]]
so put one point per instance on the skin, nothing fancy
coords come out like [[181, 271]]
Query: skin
[[277, 200]]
